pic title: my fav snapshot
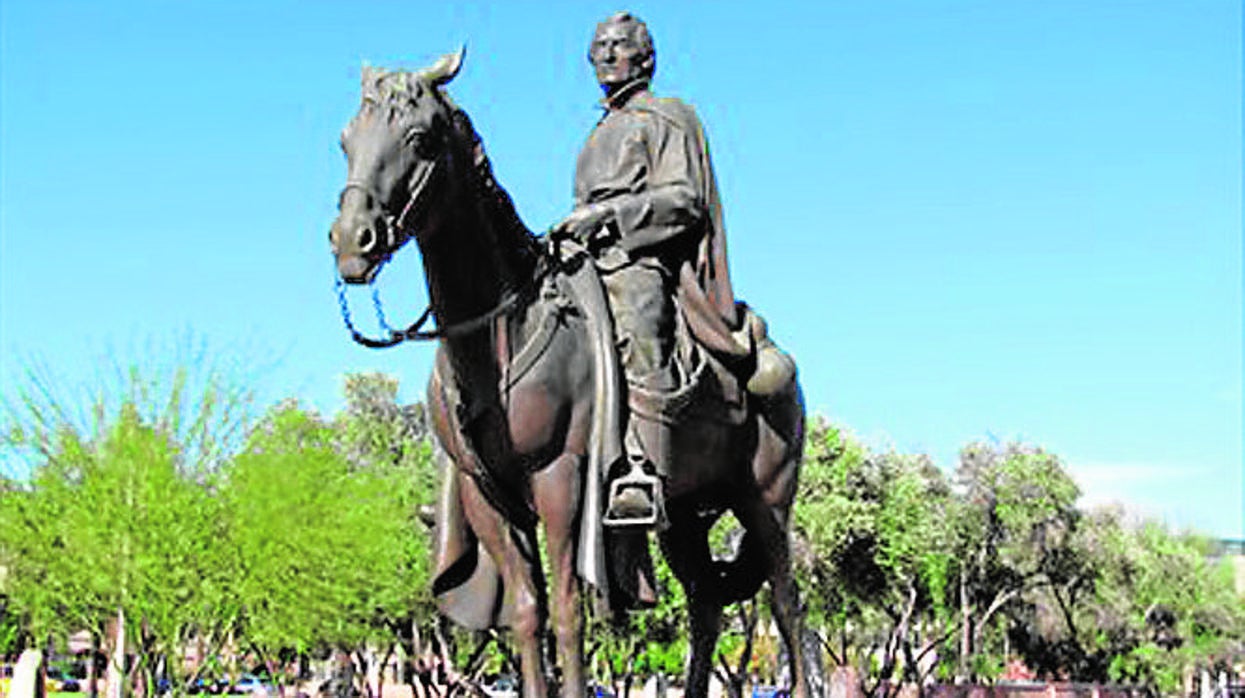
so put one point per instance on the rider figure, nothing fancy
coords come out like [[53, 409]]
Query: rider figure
[[642, 182]]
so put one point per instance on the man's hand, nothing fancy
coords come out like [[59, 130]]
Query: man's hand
[[612, 258], [586, 223]]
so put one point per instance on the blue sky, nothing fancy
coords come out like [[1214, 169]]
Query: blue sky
[[967, 220]]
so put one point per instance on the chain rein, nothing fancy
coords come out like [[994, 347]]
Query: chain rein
[[414, 331]]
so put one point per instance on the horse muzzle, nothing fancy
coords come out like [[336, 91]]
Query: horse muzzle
[[356, 270], [358, 250]]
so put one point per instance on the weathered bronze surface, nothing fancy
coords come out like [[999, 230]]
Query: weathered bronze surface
[[527, 396], [645, 204]]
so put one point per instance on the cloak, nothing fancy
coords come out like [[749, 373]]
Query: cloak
[[705, 295]]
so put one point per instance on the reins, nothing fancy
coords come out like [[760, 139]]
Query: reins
[[415, 330]]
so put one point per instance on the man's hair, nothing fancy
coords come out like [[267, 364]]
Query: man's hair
[[639, 32]]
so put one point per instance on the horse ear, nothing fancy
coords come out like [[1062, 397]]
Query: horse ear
[[446, 67]]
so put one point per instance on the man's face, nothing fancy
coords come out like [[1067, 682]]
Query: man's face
[[616, 55]]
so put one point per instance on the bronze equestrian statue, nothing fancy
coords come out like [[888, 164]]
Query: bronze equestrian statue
[[526, 397]]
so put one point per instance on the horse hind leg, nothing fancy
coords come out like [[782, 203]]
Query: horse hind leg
[[767, 526], [685, 545], [776, 465], [789, 613], [522, 577]]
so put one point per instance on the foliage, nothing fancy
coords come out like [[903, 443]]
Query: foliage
[[391, 443], [897, 560], [323, 517], [115, 517], [1014, 525], [1156, 605], [309, 535], [878, 552], [185, 389]]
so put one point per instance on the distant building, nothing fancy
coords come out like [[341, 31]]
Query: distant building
[[1234, 549]]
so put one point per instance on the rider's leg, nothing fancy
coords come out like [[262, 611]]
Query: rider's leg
[[640, 299]]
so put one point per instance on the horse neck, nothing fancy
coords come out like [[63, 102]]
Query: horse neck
[[481, 251]]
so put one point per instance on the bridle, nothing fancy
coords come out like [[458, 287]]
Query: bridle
[[396, 231], [394, 225]]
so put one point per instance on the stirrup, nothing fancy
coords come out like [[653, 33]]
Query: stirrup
[[635, 479]]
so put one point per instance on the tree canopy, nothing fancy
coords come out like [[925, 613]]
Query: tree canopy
[[296, 535]]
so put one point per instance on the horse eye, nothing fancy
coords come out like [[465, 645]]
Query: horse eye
[[421, 143]]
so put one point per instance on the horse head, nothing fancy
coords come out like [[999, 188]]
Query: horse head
[[399, 149]]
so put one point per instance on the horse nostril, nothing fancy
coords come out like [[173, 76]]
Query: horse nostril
[[367, 240]]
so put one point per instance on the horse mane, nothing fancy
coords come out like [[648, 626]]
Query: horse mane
[[396, 90], [520, 248], [393, 90]]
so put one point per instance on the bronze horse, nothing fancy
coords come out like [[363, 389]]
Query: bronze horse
[[518, 424]]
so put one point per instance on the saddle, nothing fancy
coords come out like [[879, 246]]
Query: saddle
[[716, 367], [716, 382]]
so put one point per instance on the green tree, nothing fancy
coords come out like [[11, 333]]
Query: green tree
[[1014, 523], [324, 519], [391, 442], [107, 517], [833, 509], [878, 555], [1155, 607]]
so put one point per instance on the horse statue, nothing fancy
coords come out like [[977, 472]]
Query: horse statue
[[520, 407]]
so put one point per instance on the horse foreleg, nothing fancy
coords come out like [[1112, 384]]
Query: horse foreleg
[[556, 492], [521, 576]]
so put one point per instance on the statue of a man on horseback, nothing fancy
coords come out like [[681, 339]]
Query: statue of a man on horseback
[[647, 209], [524, 400]]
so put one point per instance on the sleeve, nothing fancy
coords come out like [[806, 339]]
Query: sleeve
[[670, 203]]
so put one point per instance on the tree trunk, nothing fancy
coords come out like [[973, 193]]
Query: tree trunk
[[413, 651], [980, 630], [361, 671], [92, 678], [116, 663], [628, 674], [29, 675], [380, 672], [966, 631], [823, 644]]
